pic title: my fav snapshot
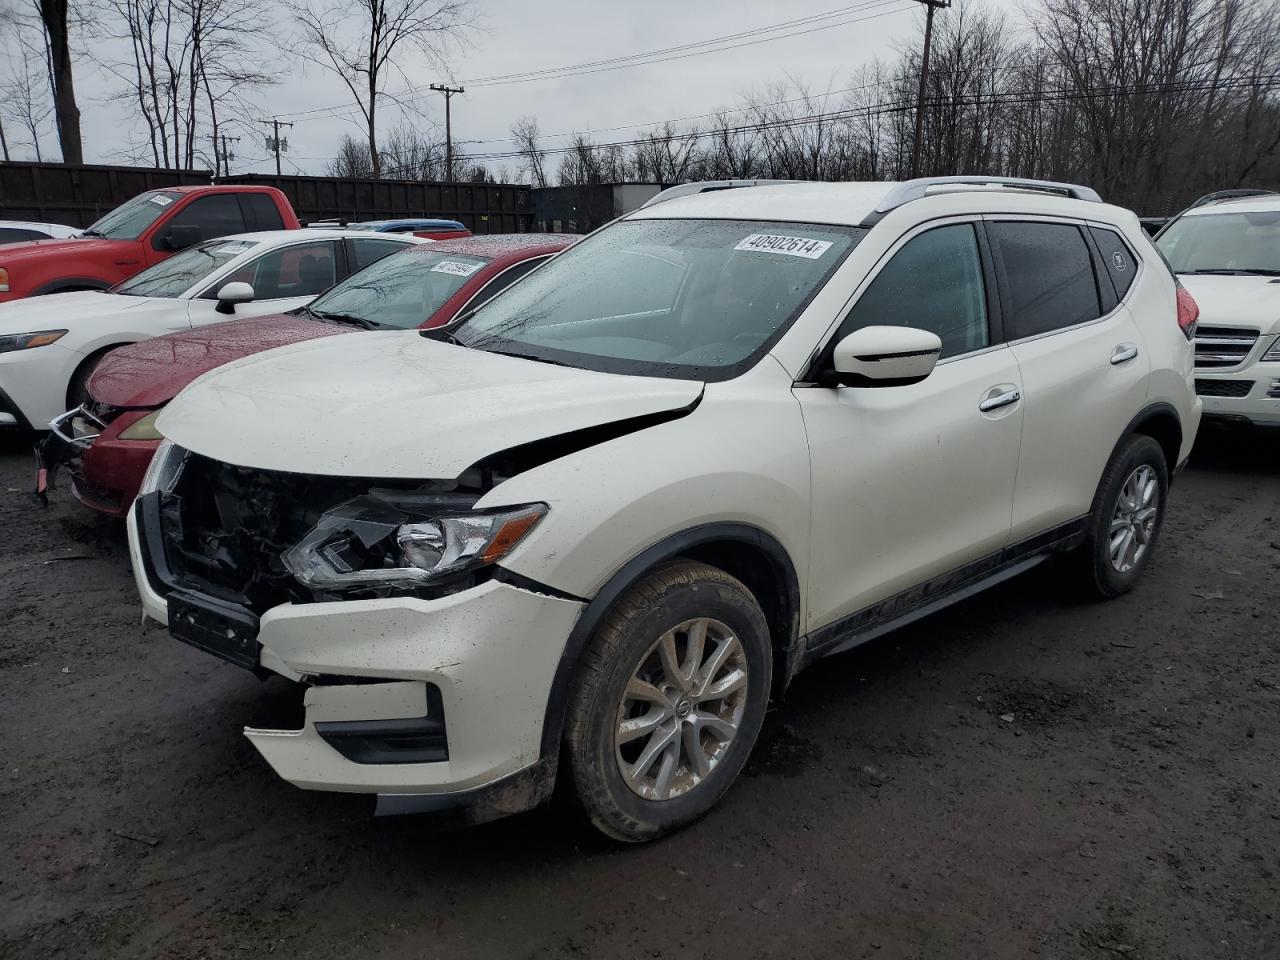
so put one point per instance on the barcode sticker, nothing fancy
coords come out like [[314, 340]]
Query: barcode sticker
[[161, 200], [457, 268], [788, 246]]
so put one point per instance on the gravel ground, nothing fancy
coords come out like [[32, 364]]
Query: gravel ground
[[1024, 775]]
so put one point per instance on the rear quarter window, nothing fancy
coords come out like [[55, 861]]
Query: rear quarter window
[[1117, 259], [1047, 272]]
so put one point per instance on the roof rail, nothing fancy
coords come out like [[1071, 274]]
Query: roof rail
[[1237, 194], [922, 187], [706, 186]]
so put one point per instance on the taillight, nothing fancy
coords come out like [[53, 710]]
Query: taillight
[[1188, 312]]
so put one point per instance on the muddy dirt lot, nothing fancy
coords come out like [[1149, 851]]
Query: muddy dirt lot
[[1025, 775]]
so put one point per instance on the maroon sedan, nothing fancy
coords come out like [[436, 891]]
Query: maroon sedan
[[424, 287]]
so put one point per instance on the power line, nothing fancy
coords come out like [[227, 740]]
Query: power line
[[634, 60]]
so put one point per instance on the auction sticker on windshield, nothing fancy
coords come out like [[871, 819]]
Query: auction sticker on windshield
[[456, 268], [161, 199], [790, 246]]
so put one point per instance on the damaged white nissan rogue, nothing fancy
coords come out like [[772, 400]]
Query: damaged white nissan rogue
[[592, 529]]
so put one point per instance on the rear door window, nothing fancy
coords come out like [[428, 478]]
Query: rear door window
[[300, 270], [260, 212], [1117, 259], [217, 215], [1048, 277], [364, 252]]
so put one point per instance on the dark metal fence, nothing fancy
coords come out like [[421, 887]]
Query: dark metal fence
[[78, 194]]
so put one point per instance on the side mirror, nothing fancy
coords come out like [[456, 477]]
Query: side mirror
[[885, 357], [179, 237], [232, 293]]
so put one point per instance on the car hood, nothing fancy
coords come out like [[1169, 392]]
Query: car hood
[[1239, 301], [80, 246], [398, 405], [65, 310], [151, 372]]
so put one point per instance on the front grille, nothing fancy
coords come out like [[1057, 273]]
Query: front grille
[[1224, 388], [225, 528], [1223, 346]]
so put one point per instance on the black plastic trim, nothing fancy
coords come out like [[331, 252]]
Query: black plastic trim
[[155, 565], [8, 406], [408, 740], [510, 577], [63, 284], [515, 793], [630, 573], [939, 592]]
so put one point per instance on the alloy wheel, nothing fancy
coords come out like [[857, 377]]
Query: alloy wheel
[[681, 709], [1134, 522]]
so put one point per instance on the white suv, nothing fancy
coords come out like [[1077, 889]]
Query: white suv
[[592, 529], [1227, 253]]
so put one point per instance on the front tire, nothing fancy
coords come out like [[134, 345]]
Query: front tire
[[1127, 517], [668, 702]]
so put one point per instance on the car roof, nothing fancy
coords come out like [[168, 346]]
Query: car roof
[[36, 225], [413, 221], [496, 245], [214, 188], [842, 203], [272, 237], [1259, 204]]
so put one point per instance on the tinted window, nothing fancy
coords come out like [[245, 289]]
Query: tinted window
[[260, 212], [934, 283], [183, 270], [1224, 243], [301, 270], [701, 299], [1048, 275], [129, 220], [365, 252], [1117, 259], [16, 235], [401, 291], [504, 280], [216, 215]]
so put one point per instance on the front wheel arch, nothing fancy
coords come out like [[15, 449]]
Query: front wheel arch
[[733, 547], [77, 385]]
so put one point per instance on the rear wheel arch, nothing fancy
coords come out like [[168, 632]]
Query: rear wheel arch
[[1160, 422], [741, 550]]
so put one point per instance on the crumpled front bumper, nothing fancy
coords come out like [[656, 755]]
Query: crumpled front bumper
[[491, 652]]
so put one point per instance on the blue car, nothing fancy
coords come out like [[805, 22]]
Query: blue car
[[422, 227]]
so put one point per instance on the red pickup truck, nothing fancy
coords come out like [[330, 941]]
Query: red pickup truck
[[137, 234]]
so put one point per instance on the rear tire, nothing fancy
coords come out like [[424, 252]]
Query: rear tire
[[668, 701], [1127, 517]]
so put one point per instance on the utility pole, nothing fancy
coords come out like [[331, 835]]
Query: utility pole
[[225, 155], [924, 80], [274, 142], [448, 92]]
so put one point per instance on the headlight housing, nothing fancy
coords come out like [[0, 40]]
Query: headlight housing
[[162, 471], [26, 341], [401, 540], [1273, 351], [144, 429]]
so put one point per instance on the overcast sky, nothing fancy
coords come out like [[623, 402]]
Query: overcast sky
[[521, 36]]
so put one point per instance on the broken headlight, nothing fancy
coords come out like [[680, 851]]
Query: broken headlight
[[398, 541]]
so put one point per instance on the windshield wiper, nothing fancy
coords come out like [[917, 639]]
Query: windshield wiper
[[1236, 272], [442, 334], [530, 356], [92, 233], [347, 318]]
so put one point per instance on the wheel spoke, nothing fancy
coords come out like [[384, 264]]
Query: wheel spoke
[[734, 680], [718, 726], [695, 644], [669, 656], [722, 652], [638, 689], [634, 727], [667, 769], [693, 750], [657, 743]]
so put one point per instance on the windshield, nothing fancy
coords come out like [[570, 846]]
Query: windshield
[[697, 299], [129, 220], [400, 291], [1245, 242], [182, 271]]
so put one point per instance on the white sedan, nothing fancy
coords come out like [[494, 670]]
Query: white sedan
[[49, 345], [18, 231]]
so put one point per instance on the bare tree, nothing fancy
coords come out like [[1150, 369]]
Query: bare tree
[[525, 134], [352, 161], [53, 17], [362, 43], [24, 94]]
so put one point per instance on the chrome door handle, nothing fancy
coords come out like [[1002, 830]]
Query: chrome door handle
[[1124, 353], [996, 401]]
